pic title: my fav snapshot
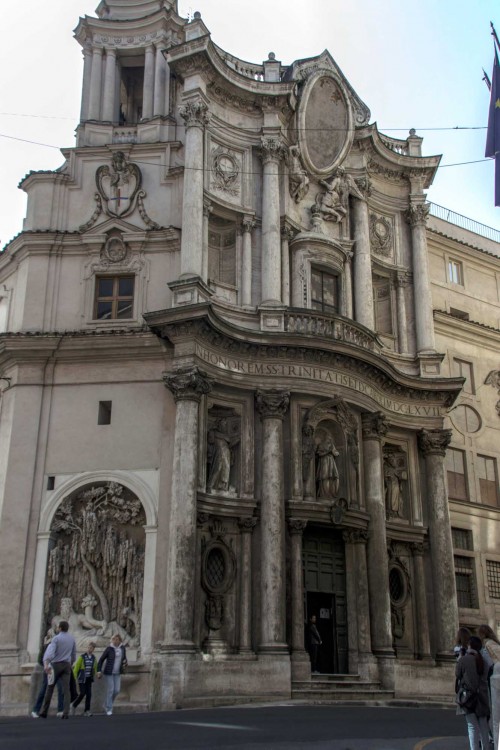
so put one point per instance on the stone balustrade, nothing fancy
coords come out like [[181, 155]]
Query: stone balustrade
[[330, 326]]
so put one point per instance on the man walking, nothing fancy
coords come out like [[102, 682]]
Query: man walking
[[59, 656]]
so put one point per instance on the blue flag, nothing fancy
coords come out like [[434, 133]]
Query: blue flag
[[493, 136]]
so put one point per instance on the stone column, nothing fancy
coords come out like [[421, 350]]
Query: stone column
[[272, 406], [149, 83], [287, 235], [363, 282], [374, 429], [296, 529], [348, 312], [402, 283], [95, 85], [423, 642], [195, 115], [159, 86], [358, 599], [108, 101], [273, 151], [247, 225], [247, 526], [87, 72], [424, 323], [433, 444], [188, 385], [207, 210], [166, 88]]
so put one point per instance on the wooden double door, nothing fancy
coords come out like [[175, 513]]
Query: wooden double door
[[323, 558]]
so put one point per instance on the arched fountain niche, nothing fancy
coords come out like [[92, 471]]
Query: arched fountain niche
[[95, 564]]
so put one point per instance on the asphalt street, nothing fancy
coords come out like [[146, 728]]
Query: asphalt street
[[277, 727]]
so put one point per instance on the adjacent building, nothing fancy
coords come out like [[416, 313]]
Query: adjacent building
[[246, 376]]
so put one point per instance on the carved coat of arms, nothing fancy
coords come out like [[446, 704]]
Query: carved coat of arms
[[119, 185]]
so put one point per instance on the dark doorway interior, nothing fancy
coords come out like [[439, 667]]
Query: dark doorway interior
[[325, 587]]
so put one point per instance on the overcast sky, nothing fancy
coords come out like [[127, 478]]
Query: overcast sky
[[415, 65]]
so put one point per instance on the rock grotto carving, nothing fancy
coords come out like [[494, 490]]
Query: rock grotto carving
[[97, 565]]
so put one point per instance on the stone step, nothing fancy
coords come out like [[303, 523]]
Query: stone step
[[335, 677], [343, 695], [334, 685]]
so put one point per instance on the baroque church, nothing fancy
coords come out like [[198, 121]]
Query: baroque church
[[248, 374]]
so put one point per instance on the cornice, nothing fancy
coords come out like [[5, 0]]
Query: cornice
[[467, 248], [469, 329], [111, 32], [203, 322]]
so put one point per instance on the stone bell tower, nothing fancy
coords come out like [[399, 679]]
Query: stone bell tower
[[126, 92]]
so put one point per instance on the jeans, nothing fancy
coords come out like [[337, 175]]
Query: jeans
[[62, 671], [478, 730], [41, 695], [113, 683]]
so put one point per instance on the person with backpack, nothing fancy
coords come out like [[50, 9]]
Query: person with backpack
[[472, 693], [84, 670]]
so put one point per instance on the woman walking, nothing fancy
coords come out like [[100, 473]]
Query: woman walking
[[115, 658], [471, 673]]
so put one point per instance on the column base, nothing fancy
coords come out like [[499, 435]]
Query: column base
[[272, 316], [386, 670], [274, 649], [184, 647], [301, 666], [444, 657]]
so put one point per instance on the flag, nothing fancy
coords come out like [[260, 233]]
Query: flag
[[493, 135]]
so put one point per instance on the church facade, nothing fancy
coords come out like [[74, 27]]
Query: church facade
[[240, 371]]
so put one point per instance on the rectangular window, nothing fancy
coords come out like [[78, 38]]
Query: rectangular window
[[488, 481], [465, 370], [462, 539], [455, 467], [466, 582], [493, 577], [382, 305], [104, 413], [324, 291], [455, 272], [114, 298]]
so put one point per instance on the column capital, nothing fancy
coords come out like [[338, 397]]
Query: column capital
[[296, 526], [110, 51], [188, 383], [247, 524], [403, 279], [287, 233], [364, 188], [374, 426], [418, 548], [417, 214], [202, 519], [97, 50], [247, 224], [272, 149], [355, 536], [195, 113], [434, 442], [207, 207], [273, 403]]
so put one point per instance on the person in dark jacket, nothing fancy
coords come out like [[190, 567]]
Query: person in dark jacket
[[471, 671], [84, 670], [115, 659], [313, 643]]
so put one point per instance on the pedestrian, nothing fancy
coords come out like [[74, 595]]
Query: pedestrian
[[115, 658], [43, 687], [84, 671], [59, 655], [471, 673], [490, 642], [314, 642], [461, 642]]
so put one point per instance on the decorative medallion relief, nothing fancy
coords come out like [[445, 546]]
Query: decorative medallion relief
[[381, 236], [114, 250], [325, 123], [225, 171], [399, 590], [95, 570], [218, 571]]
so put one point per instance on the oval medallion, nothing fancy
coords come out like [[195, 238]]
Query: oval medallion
[[325, 123]]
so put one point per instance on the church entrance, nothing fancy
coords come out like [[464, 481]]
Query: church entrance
[[325, 596]]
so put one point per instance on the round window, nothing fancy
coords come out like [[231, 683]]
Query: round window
[[397, 588]]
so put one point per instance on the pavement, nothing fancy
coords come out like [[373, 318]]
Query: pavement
[[273, 727]]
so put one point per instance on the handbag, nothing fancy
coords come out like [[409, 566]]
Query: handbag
[[467, 698]]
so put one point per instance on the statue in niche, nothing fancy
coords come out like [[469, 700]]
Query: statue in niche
[[394, 475], [221, 442], [97, 561], [299, 181], [327, 474], [332, 205]]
